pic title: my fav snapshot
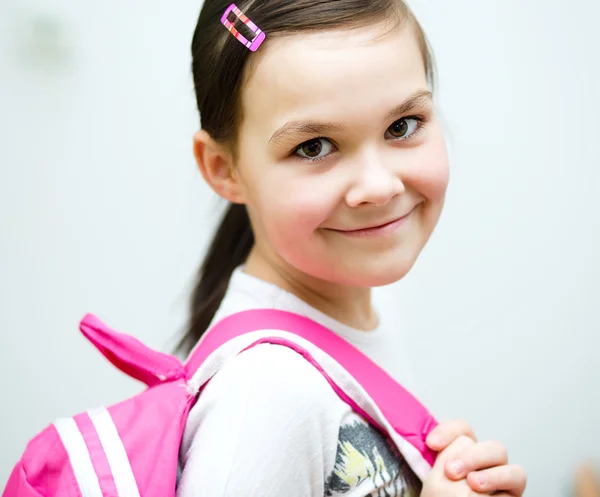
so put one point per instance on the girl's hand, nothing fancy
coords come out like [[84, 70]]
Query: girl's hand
[[437, 484], [484, 465]]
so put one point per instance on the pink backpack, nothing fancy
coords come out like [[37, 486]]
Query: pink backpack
[[131, 449]]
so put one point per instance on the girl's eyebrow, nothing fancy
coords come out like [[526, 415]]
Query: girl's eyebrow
[[306, 127], [309, 127], [416, 101]]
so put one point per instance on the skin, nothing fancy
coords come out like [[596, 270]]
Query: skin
[[466, 468], [381, 156], [586, 482]]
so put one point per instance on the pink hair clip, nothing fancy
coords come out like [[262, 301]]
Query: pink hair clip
[[260, 35]]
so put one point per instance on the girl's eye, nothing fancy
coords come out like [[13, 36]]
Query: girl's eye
[[320, 148], [315, 149], [404, 128]]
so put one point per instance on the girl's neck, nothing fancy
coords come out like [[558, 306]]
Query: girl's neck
[[348, 305]]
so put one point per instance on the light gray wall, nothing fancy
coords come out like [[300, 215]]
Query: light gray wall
[[101, 210]]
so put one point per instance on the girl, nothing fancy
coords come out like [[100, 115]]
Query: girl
[[324, 141]]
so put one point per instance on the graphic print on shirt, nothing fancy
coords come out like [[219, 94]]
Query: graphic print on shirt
[[366, 464]]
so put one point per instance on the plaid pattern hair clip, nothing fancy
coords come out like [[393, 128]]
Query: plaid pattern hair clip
[[259, 35]]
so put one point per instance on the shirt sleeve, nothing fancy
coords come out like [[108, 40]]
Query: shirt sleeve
[[266, 425]]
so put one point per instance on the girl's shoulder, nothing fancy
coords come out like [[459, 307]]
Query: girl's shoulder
[[269, 375], [268, 417]]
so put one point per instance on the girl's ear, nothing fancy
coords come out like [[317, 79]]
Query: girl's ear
[[216, 165]]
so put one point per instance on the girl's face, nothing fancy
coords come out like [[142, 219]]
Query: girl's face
[[339, 136]]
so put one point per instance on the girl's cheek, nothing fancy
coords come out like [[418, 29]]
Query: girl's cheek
[[306, 212], [436, 181], [303, 203], [433, 173]]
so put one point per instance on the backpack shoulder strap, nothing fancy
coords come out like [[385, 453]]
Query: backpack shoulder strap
[[389, 406]]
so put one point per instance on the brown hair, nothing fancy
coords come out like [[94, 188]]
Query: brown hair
[[218, 63]]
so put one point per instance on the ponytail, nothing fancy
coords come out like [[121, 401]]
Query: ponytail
[[230, 247]]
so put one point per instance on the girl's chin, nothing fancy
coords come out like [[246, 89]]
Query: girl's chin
[[367, 277], [378, 280], [364, 271]]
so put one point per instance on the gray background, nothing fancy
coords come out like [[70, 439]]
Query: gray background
[[102, 210]]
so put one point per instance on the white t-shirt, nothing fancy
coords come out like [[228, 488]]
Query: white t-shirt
[[269, 425]]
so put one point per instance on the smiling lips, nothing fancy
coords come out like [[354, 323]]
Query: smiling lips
[[376, 230]]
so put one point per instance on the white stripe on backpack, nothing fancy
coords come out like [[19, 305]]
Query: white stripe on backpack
[[115, 452], [79, 457]]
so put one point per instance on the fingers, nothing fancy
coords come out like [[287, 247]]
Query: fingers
[[511, 479], [476, 457], [445, 433], [454, 450], [485, 465], [586, 483]]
